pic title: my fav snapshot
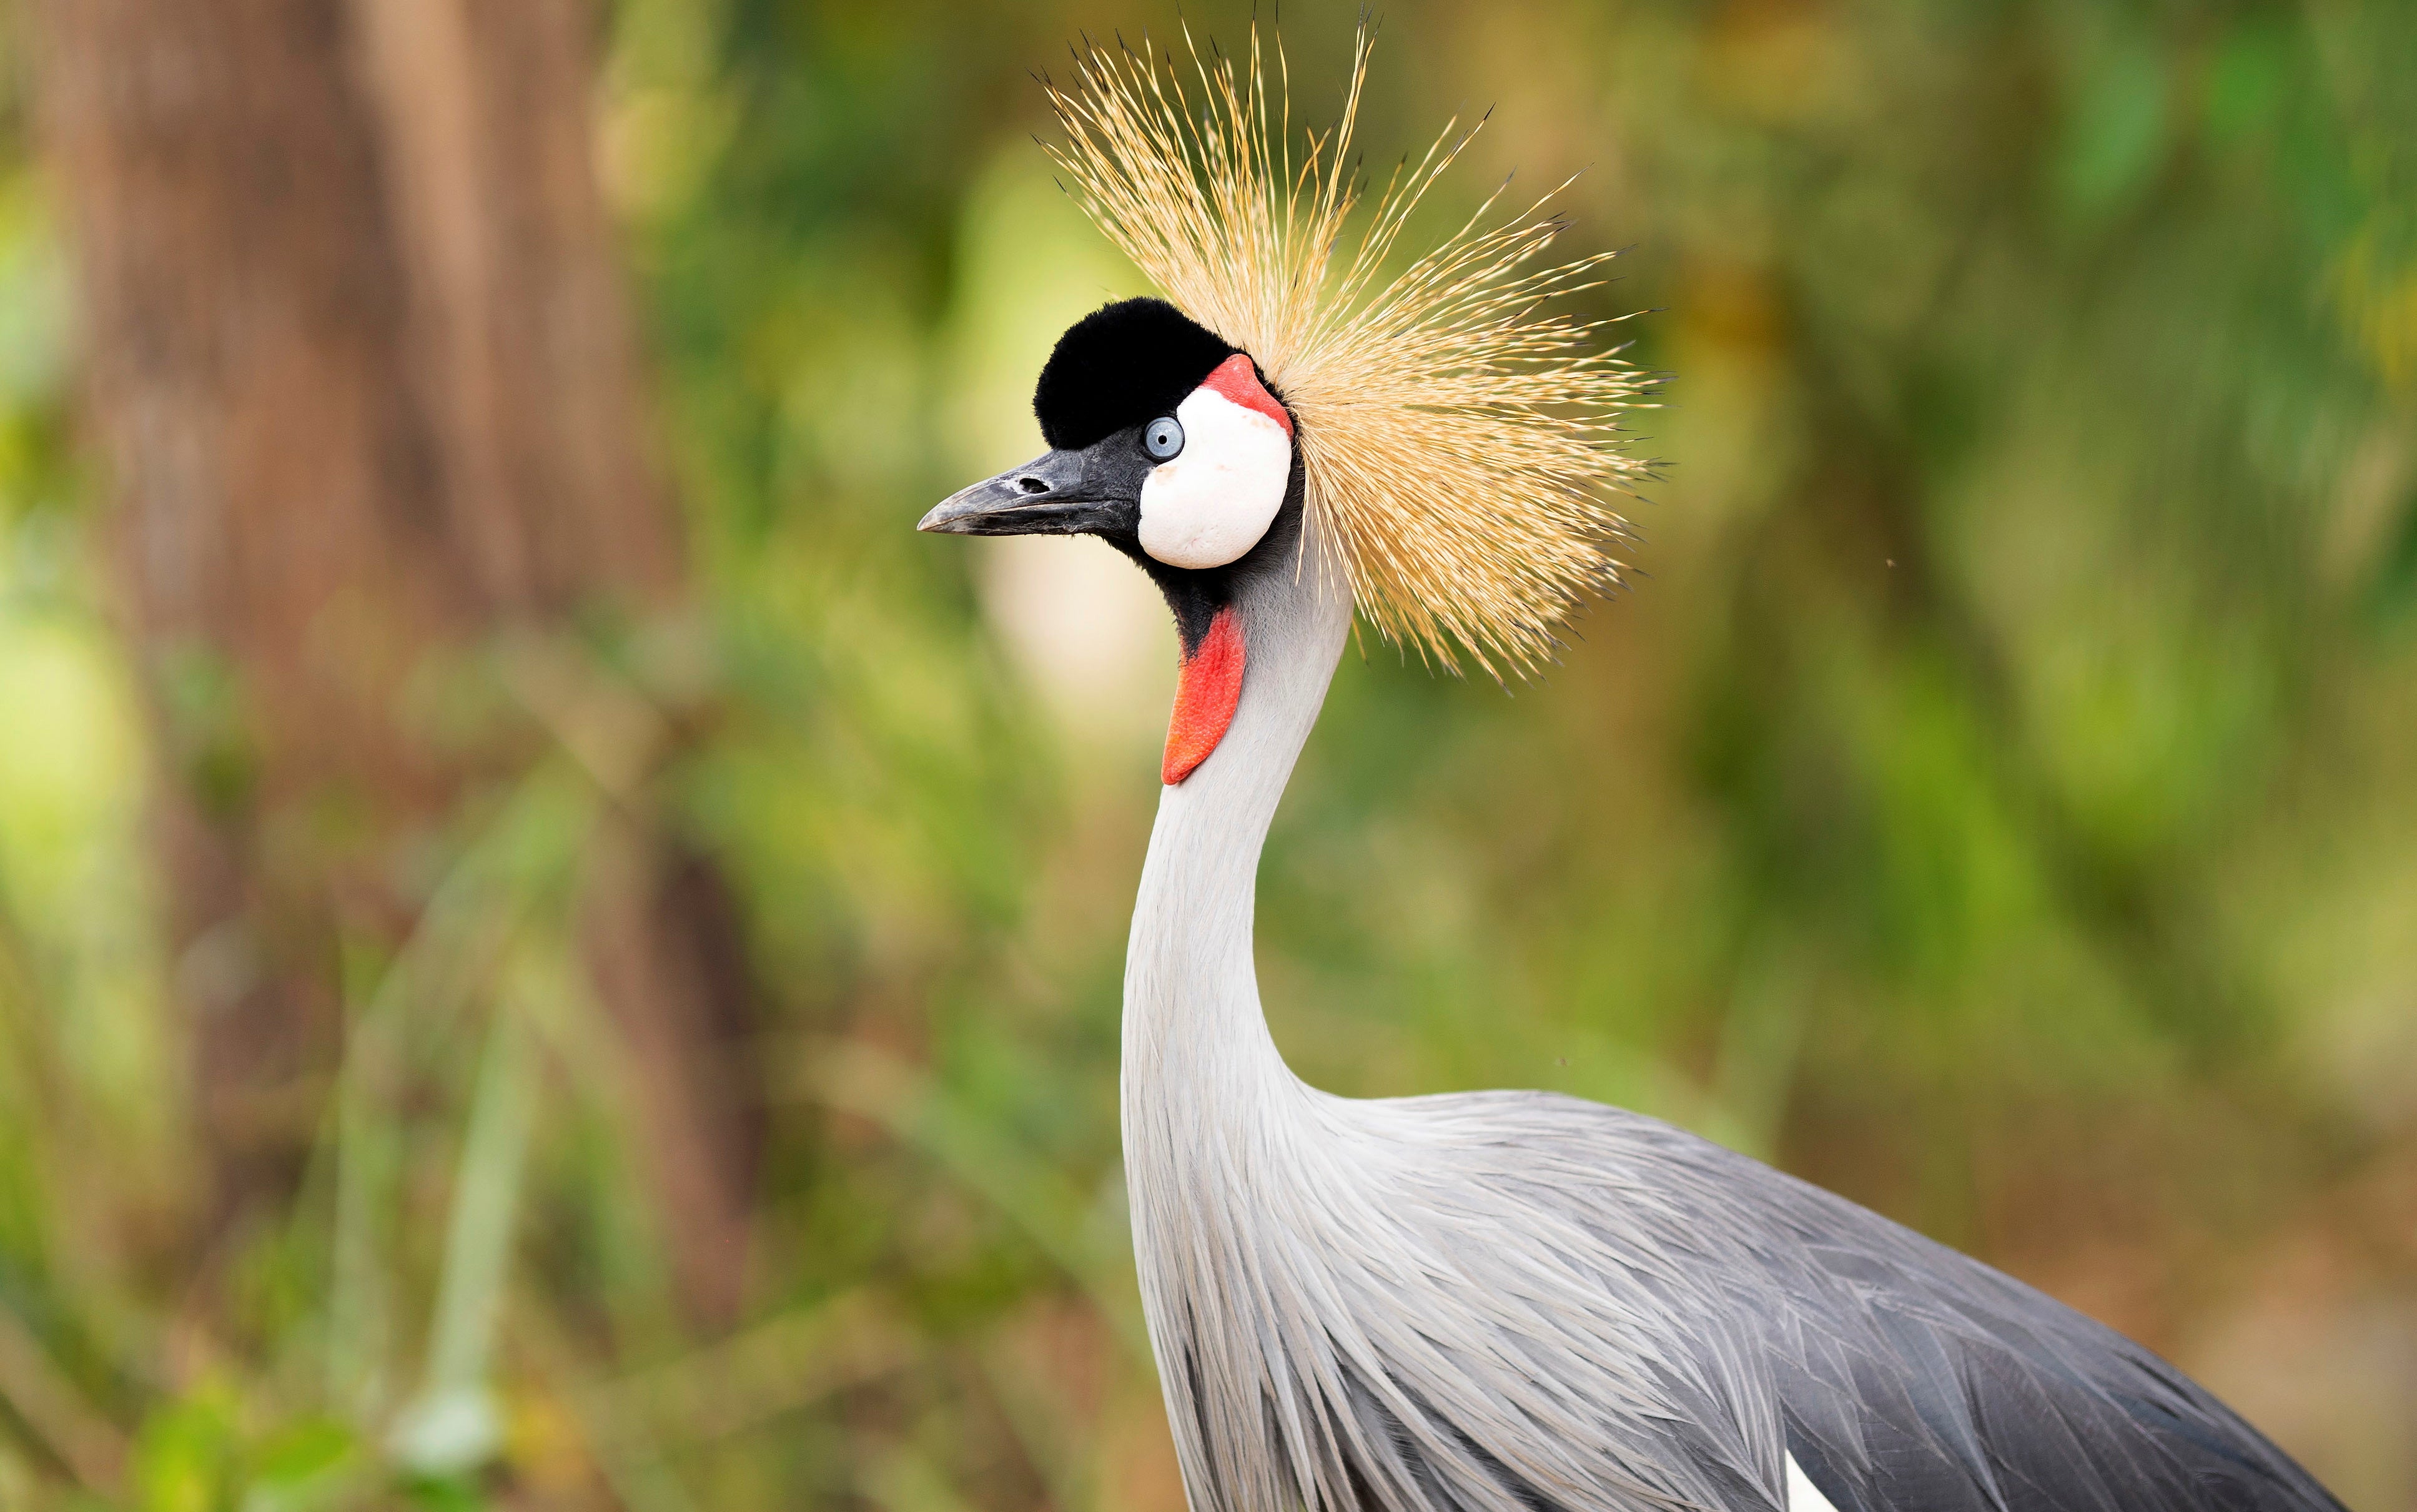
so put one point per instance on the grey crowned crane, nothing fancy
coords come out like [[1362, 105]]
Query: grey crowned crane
[[1496, 1302]]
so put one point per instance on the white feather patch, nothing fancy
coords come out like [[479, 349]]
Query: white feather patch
[[1217, 497], [1802, 1495]]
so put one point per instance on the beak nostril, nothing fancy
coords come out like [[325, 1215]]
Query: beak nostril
[[1031, 485]]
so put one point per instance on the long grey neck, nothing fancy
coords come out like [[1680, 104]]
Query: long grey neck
[[1193, 1032]]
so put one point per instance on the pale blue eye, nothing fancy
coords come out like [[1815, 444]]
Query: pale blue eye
[[1162, 438]]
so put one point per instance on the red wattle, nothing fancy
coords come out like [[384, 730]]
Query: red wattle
[[1239, 381], [1206, 692]]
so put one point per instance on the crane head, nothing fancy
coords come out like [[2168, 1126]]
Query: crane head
[[1420, 428], [1165, 441]]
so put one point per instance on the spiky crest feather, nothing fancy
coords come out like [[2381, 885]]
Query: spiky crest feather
[[1460, 441]]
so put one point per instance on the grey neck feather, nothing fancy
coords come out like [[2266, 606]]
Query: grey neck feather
[[1323, 1342], [1216, 1128], [1193, 1021]]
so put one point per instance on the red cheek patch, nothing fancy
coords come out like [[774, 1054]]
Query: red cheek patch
[[1206, 694], [1239, 382]]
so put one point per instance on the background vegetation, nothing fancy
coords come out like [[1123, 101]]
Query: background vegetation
[[1995, 803]]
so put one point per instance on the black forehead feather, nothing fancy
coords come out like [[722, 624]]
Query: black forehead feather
[[1120, 365]]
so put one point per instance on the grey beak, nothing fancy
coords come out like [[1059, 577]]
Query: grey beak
[[1044, 496]]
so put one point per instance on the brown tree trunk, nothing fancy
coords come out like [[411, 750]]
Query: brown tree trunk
[[362, 369]]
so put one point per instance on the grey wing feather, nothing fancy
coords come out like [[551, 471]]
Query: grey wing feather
[[1499, 1302], [1914, 1379]]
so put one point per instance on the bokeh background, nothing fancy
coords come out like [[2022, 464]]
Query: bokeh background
[[553, 953]]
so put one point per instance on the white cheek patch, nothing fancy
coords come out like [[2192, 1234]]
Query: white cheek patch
[[1217, 497]]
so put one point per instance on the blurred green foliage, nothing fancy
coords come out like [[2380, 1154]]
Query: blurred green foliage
[[1994, 802]]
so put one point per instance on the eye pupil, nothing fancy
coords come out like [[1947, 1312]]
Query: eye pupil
[[1162, 437]]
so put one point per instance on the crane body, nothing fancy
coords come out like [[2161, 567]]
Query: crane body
[[1516, 1301]]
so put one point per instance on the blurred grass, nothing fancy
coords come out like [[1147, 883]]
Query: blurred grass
[[1995, 803]]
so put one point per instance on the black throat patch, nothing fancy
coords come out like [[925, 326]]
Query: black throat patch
[[1194, 594]]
